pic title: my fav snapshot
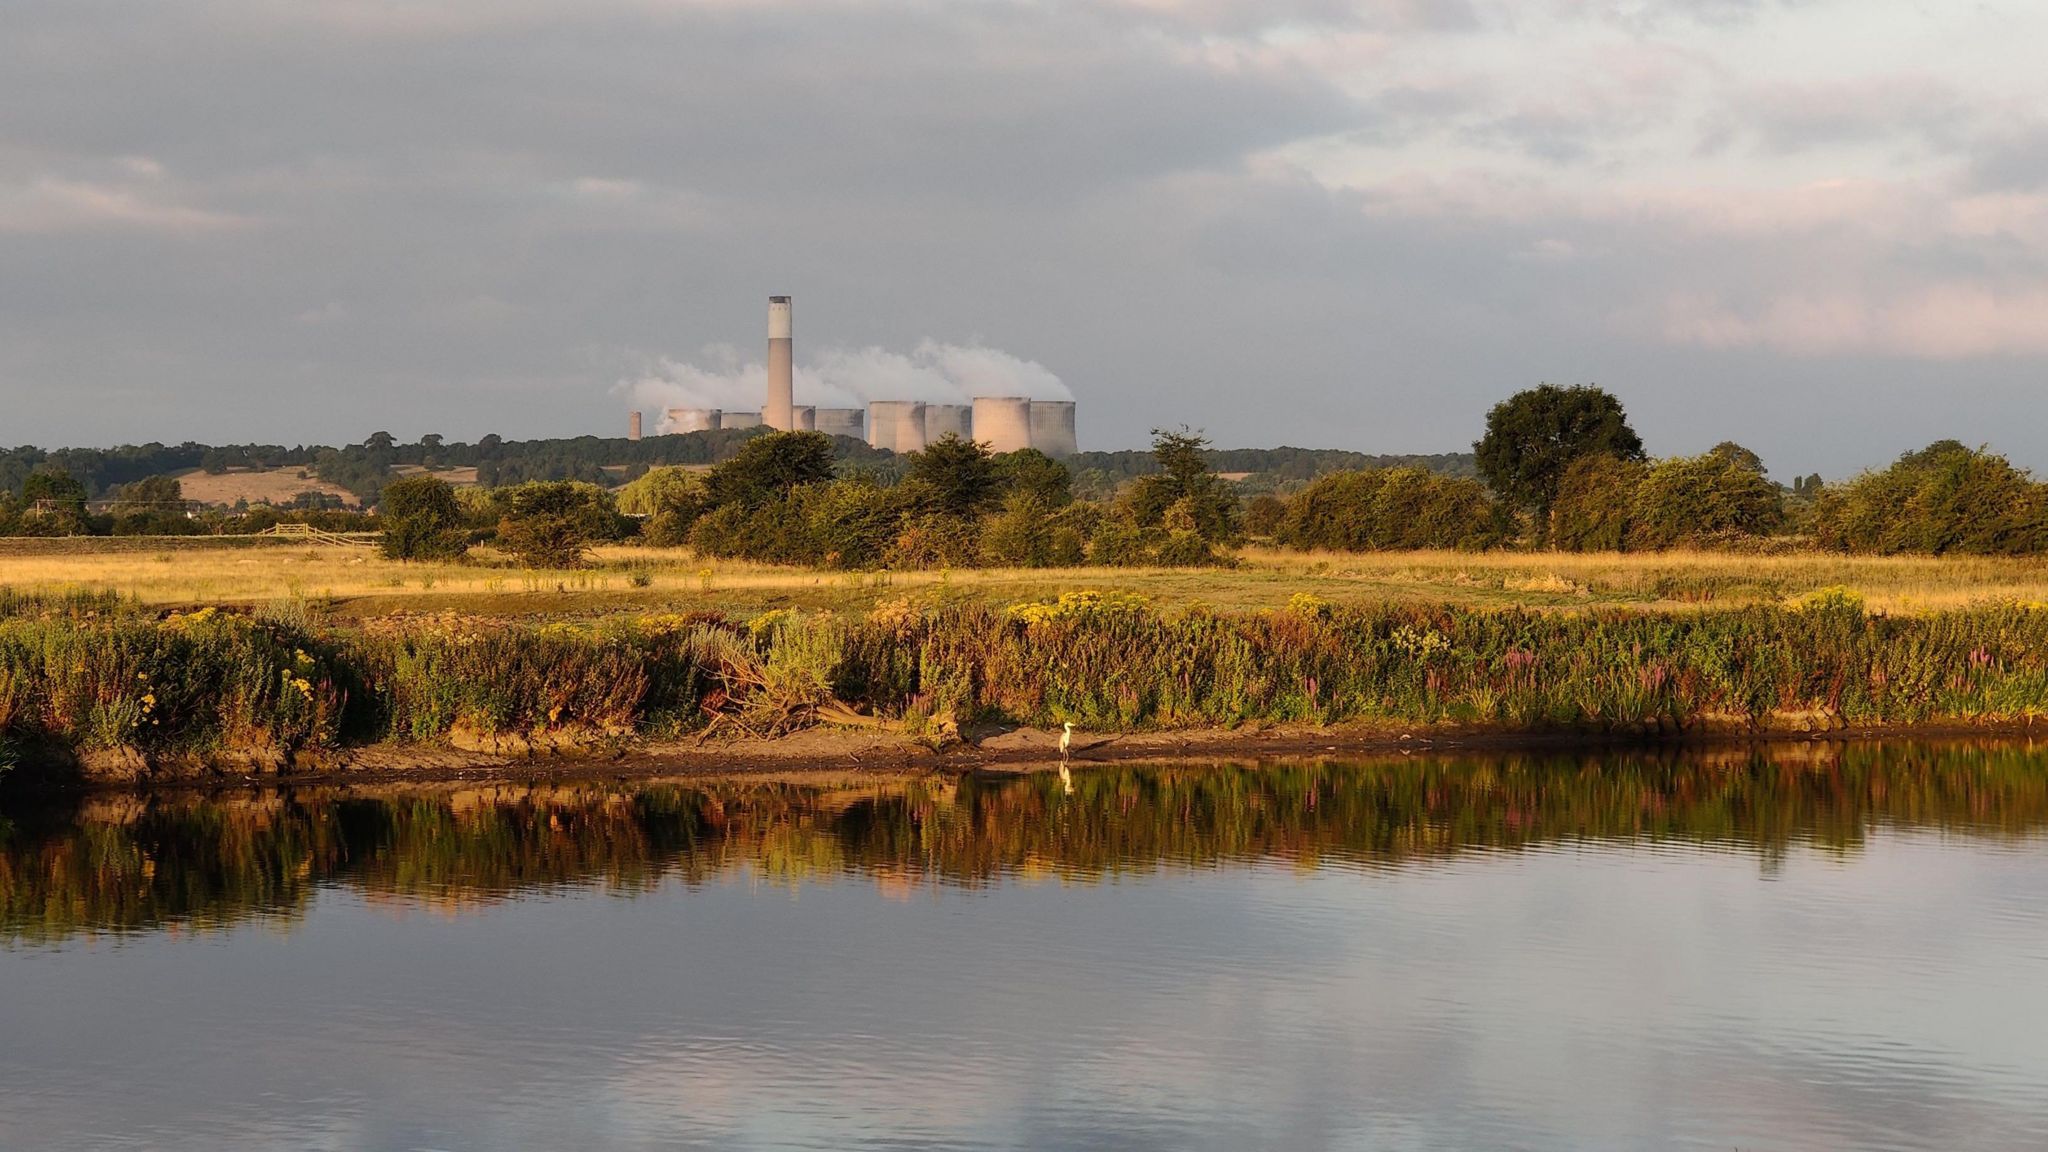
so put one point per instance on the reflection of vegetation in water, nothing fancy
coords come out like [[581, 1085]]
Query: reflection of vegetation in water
[[139, 863]]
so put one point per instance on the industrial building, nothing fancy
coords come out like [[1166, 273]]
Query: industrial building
[[1004, 423], [842, 422], [897, 425]]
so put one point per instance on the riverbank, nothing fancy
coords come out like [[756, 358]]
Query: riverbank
[[822, 753], [95, 690]]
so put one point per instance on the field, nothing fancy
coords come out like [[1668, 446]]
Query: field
[[358, 582], [267, 486], [113, 659]]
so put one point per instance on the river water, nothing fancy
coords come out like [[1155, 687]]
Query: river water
[[1803, 948]]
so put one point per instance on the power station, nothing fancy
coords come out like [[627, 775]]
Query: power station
[[1004, 423]]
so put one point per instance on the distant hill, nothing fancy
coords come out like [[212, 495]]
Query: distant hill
[[363, 469], [262, 471]]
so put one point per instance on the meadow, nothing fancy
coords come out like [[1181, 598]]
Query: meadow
[[358, 583]]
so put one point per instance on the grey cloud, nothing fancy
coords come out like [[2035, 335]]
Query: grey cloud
[[2014, 161], [468, 217]]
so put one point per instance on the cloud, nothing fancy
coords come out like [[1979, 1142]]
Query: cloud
[[1942, 322], [47, 205], [1320, 221]]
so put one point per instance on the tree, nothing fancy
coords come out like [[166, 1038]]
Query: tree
[[1594, 507], [159, 493], [54, 502], [1027, 470], [1022, 535], [1534, 436], [553, 524], [954, 477], [1739, 456], [1692, 499], [771, 466], [422, 520], [1942, 499], [1185, 489], [1389, 508]]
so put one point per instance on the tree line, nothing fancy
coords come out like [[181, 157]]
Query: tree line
[[1557, 467]]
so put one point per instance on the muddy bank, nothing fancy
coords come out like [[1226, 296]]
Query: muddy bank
[[869, 752]]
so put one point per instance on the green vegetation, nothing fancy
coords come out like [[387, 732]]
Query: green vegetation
[[1533, 438], [1561, 469], [554, 524], [205, 863], [1944, 499], [422, 520], [1388, 509], [780, 501], [89, 673]]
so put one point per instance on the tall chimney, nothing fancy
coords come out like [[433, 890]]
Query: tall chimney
[[633, 426], [776, 412]]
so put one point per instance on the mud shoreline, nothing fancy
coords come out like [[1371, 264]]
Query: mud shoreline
[[883, 755]]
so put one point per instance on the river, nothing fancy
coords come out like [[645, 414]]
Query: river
[[1803, 947]]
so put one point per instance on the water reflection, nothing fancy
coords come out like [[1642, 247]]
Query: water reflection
[[128, 863]]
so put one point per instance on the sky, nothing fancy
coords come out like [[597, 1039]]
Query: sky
[[1817, 227]]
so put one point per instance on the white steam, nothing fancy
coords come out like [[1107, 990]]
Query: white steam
[[842, 378]]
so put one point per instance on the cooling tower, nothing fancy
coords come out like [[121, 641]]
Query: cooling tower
[[692, 419], [633, 426], [947, 419], [1052, 427], [731, 420], [843, 422], [1002, 422], [897, 425], [776, 411], [803, 418]]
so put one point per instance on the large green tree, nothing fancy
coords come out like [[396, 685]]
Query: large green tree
[[1184, 494], [421, 519], [553, 524], [1534, 436], [954, 477], [771, 466]]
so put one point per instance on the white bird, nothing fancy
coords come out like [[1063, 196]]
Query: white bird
[[1066, 742]]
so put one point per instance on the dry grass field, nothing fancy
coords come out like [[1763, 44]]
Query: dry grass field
[[357, 582], [265, 486]]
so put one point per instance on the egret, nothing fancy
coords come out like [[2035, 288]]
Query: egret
[[1066, 741]]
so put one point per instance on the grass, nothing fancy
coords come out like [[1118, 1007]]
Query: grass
[[358, 583], [95, 673]]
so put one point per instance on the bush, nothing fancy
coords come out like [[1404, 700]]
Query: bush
[[421, 519], [1592, 509], [1690, 499], [1390, 508], [1945, 498], [1205, 503], [553, 524], [1721, 499]]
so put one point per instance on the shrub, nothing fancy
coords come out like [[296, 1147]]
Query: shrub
[[1689, 499], [1592, 511], [421, 519], [1022, 535], [954, 477], [771, 466], [1206, 504], [1389, 508], [1944, 498], [553, 525]]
